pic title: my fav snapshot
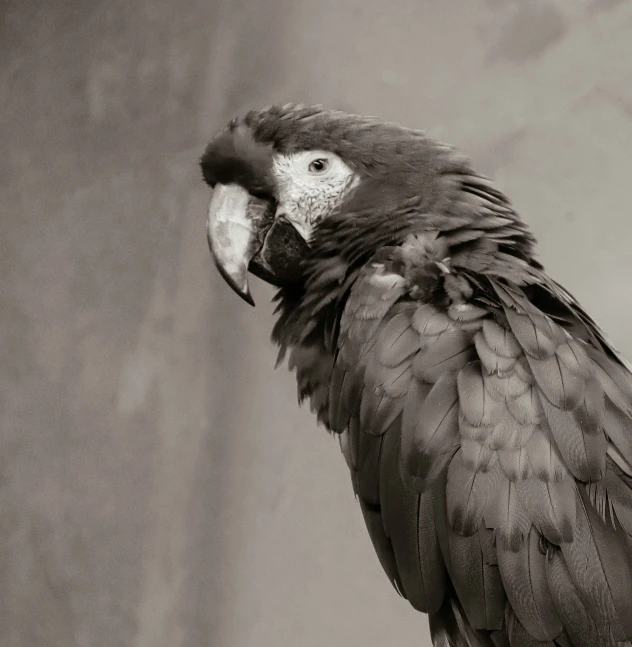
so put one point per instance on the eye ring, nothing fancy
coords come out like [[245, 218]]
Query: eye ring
[[319, 165]]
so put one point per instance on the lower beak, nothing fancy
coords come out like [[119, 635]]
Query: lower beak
[[236, 227]]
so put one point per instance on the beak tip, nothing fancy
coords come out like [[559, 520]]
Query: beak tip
[[240, 286], [247, 297], [244, 293]]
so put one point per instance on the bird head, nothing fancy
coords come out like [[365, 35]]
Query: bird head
[[291, 179]]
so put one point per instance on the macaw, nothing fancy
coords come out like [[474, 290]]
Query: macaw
[[484, 416]]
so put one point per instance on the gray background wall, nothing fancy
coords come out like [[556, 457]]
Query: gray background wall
[[159, 486]]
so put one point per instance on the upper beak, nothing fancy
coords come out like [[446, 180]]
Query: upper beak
[[236, 225]]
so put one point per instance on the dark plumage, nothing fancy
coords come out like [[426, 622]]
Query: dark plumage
[[485, 418], [236, 157]]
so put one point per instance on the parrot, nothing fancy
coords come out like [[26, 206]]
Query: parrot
[[484, 415]]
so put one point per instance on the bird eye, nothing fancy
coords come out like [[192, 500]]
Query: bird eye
[[319, 165]]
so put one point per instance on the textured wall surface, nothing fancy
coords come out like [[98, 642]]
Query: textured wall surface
[[159, 486]]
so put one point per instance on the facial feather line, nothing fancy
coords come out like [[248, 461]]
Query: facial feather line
[[305, 197]]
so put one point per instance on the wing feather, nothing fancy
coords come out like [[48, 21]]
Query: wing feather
[[476, 581], [467, 495], [576, 620], [408, 519], [585, 454], [586, 571], [523, 573], [490, 446], [397, 341], [434, 430], [550, 505], [613, 550]]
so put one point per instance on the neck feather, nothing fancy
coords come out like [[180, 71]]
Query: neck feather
[[468, 213]]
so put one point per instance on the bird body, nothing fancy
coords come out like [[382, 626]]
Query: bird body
[[485, 418]]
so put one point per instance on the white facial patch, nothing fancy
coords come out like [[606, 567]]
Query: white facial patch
[[311, 184]]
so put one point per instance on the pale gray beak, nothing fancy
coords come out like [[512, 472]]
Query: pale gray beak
[[234, 228]]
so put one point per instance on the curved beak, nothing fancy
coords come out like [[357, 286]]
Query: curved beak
[[236, 225], [245, 236]]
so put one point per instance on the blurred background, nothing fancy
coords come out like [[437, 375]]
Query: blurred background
[[159, 486]]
